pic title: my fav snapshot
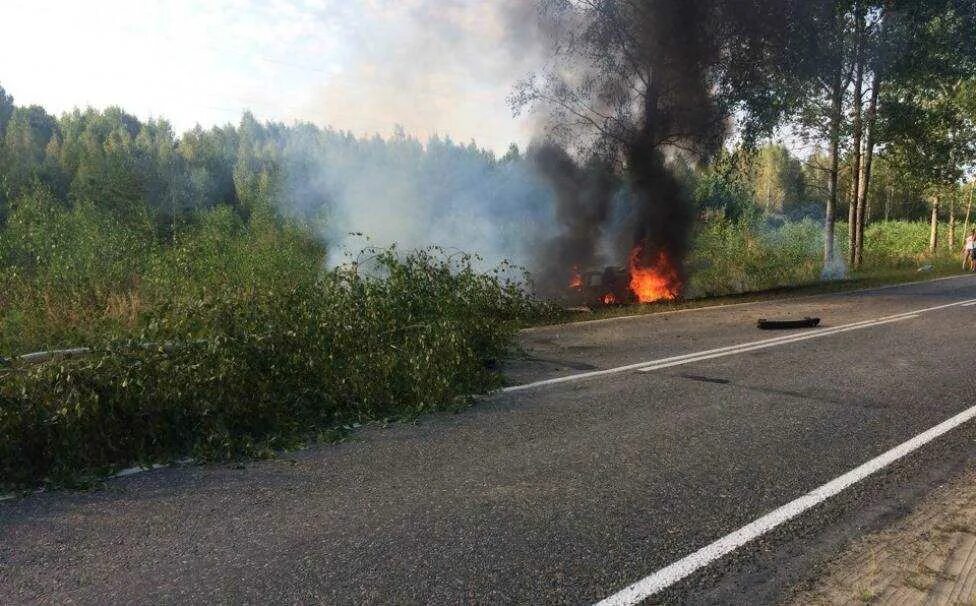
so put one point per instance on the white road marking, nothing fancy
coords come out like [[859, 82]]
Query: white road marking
[[760, 345], [968, 304], [731, 349], [673, 573]]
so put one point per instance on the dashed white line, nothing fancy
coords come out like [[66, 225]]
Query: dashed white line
[[669, 575], [732, 349]]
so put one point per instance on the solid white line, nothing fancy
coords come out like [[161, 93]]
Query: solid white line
[[728, 350], [124, 473], [968, 304], [673, 573]]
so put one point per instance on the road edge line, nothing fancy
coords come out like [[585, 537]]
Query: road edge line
[[671, 574], [728, 349]]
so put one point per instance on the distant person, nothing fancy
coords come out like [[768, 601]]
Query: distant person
[[969, 252]]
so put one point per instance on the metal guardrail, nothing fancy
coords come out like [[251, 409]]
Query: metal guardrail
[[43, 356], [38, 357]]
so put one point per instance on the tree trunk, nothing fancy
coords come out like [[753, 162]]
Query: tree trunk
[[952, 223], [857, 131], [861, 217], [934, 233], [837, 97], [969, 208]]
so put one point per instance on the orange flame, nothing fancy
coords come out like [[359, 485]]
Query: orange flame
[[654, 282], [608, 299], [576, 280]]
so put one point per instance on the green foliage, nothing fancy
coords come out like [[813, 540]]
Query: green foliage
[[715, 193], [904, 244], [734, 257], [67, 273], [252, 365], [729, 257]]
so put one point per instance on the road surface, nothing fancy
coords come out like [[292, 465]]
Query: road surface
[[559, 492]]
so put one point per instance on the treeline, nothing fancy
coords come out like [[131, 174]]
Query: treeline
[[116, 161], [130, 167]]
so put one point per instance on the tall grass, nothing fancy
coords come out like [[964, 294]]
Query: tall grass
[[735, 257], [252, 344], [740, 257]]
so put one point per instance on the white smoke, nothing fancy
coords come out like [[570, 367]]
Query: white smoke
[[414, 195]]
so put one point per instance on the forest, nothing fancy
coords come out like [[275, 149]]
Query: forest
[[249, 287]]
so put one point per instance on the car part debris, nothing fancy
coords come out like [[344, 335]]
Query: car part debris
[[765, 324]]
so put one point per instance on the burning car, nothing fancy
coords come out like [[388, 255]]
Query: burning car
[[609, 286], [642, 281]]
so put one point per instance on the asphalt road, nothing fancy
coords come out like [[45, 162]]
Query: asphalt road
[[561, 493]]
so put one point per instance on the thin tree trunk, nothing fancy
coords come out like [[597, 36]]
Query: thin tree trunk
[[837, 96], [952, 223], [861, 217], [857, 131], [934, 233], [969, 208], [888, 194]]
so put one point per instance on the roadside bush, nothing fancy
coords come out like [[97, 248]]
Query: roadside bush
[[905, 244], [68, 273], [242, 371], [733, 257]]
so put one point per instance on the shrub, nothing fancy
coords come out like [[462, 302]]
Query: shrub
[[240, 371], [732, 257]]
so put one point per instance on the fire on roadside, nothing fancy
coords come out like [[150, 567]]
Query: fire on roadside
[[576, 278], [644, 280], [655, 279]]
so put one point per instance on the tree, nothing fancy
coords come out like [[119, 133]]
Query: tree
[[932, 136], [27, 134], [633, 82], [6, 111], [777, 179], [857, 126]]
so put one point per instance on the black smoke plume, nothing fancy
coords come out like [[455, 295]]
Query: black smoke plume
[[583, 202], [633, 85]]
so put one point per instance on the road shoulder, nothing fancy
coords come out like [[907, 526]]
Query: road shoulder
[[928, 557]]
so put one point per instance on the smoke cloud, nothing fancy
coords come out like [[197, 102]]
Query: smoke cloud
[[634, 83], [414, 194]]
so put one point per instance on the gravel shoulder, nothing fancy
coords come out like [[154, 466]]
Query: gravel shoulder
[[928, 557]]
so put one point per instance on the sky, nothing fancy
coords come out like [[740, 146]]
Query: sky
[[432, 66]]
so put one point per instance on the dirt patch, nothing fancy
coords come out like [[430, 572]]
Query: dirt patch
[[929, 557]]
